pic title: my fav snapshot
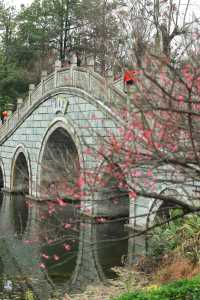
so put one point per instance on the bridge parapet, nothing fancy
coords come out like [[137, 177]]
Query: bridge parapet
[[76, 77]]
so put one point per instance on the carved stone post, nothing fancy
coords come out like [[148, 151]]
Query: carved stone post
[[109, 77], [57, 68], [74, 60], [90, 63], [31, 89], [19, 102], [73, 64]]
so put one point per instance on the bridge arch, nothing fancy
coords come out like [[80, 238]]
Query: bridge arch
[[60, 151], [20, 187], [161, 208], [21, 165]]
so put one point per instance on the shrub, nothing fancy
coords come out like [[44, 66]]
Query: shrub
[[178, 290], [181, 236]]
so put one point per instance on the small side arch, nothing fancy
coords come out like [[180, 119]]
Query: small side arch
[[21, 151], [20, 187], [161, 208]]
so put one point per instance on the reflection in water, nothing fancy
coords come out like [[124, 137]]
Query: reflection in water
[[111, 254], [60, 239], [1, 198], [1, 187], [59, 244], [19, 212], [1, 267]]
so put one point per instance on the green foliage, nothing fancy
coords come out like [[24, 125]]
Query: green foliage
[[13, 79], [181, 235], [48, 25], [179, 290], [34, 37], [13, 84]]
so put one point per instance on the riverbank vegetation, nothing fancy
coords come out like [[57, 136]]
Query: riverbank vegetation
[[173, 258], [180, 290], [171, 270]]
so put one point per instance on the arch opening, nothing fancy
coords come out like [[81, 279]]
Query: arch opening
[[60, 164], [160, 211], [60, 226], [20, 188]]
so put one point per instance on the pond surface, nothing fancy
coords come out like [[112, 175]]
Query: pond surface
[[56, 243]]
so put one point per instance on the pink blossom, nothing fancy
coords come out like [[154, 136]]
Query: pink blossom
[[100, 220], [81, 182], [87, 210], [181, 99], [56, 257], [67, 225], [51, 208], [49, 241], [88, 151], [149, 173], [114, 201], [147, 134], [132, 194], [67, 247], [42, 266], [45, 256], [78, 206], [128, 137], [61, 202], [136, 173], [174, 148]]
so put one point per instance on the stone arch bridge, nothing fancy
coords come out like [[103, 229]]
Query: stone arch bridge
[[47, 134]]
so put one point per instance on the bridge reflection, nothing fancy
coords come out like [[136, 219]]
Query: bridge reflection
[[59, 247]]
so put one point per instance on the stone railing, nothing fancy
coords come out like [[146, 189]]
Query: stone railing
[[85, 79]]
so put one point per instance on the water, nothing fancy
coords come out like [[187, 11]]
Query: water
[[53, 246], [111, 253]]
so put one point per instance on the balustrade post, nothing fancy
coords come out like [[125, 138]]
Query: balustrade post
[[57, 68], [109, 77], [19, 102], [90, 63], [73, 64], [43, 77], [90, 67], [74, 60], [109, 81], [89, 81], [31, 89], [10, 111]]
